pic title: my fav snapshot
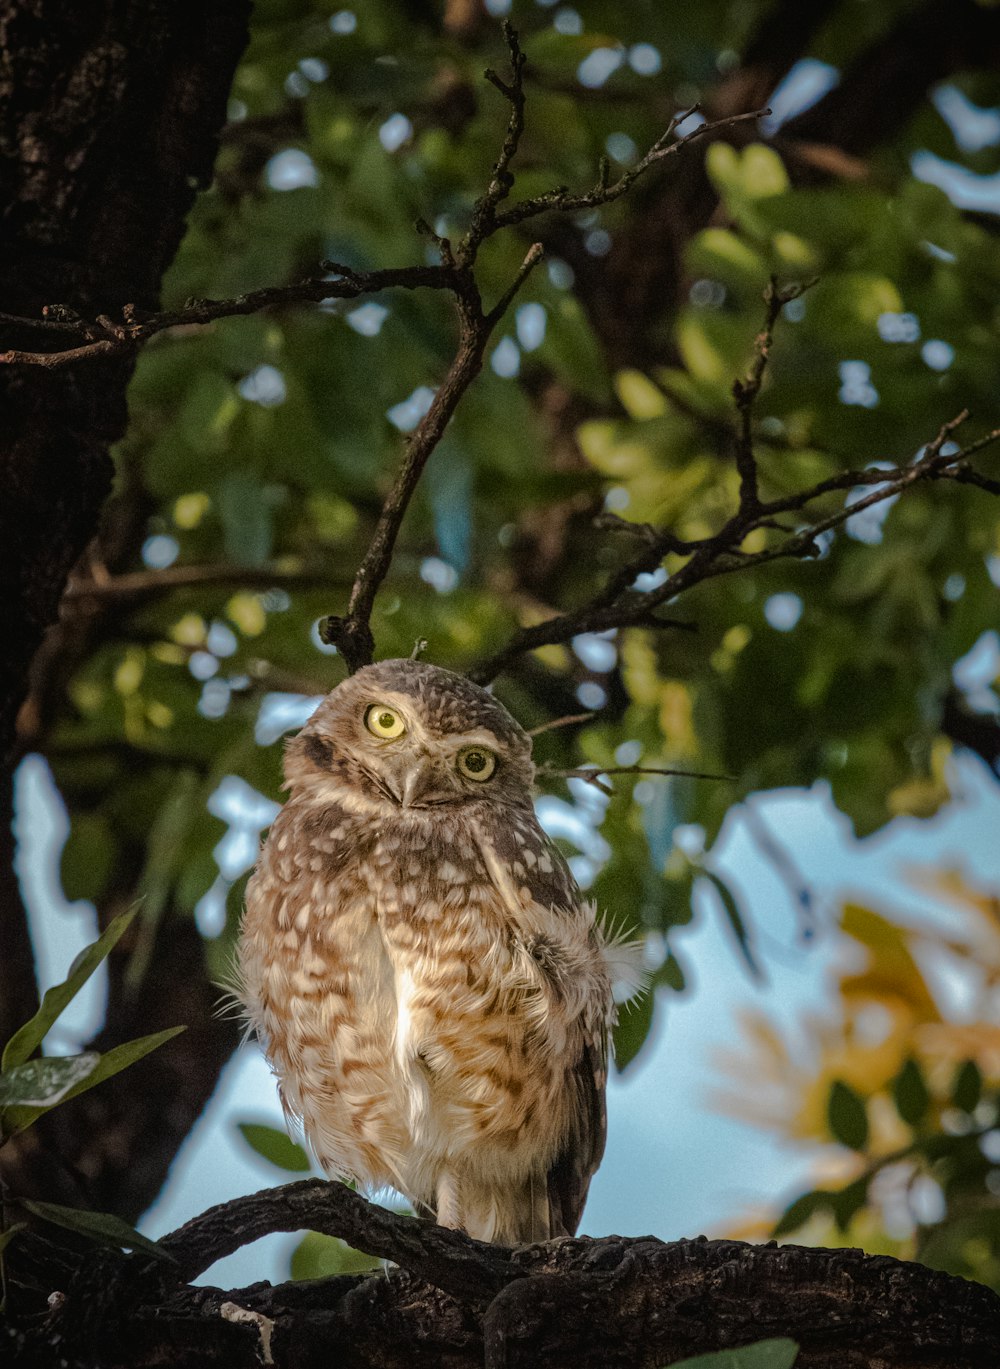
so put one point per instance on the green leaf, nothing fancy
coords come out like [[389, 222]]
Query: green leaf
[[317, 1257], [764, 1354], [88, 858], [103, 1227], [246, 519], [910, 1094], [849, 1201], [29, 1037], [968, 1087], [799, 1212], [112, 1062], [846, 1115], [7, 1236], [277, 1148], [634, 1020], [41, 1084], [736, 923]]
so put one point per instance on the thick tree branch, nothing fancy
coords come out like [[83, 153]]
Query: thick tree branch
[[466, 1268], [614, 1302]]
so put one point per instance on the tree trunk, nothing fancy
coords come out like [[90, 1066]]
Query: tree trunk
[[109, 122], [110, 115]]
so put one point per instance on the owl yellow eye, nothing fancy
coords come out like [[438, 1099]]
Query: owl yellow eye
[[476, 763], [384, 722]]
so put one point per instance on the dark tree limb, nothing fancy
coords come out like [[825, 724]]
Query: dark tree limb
[[884, 85], [455, 1303], [452, 1262]]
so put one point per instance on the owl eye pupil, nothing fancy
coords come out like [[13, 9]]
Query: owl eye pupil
[[475, 761], [386, 720]]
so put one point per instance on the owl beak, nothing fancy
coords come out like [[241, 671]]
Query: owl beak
[[418, 781]]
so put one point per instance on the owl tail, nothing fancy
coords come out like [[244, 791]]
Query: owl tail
[[519, 1215]]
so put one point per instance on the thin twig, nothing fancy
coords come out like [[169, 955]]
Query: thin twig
[[484, 220], [129, 333], [785, 866], [567, 721], [150, 584], [745, 391], [352, 634], [592, 774], [565, 201], [719, 554]]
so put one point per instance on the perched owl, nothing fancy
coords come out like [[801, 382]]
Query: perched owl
[[427, 980]]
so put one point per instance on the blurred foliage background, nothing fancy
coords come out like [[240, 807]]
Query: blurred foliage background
[[260, 449]]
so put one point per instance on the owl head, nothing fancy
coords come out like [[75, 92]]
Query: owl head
[[407, 735]]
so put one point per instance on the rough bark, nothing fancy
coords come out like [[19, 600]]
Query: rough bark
[[612, 1302], [109, 121]]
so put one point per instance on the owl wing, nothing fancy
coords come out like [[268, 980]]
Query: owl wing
[[536, 884], [570, 1175]]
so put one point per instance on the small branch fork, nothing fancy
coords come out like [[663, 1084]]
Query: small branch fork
[[617, 604]]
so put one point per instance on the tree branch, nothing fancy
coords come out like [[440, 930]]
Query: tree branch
[[745, 392], [110, 337], [617, 604], [565, 201], [591, 774], [616, 1302], [134, 587], [449, 1260], [352, 634]]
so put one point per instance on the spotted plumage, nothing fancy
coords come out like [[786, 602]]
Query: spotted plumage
[[428, 982]]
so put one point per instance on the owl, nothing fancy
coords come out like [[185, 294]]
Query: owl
[[428, 982]]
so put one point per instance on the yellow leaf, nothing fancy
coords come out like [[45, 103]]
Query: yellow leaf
[[892, 971], [247, 612], [639, 396]]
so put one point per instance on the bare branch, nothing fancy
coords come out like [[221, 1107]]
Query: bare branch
[[567, 721], [484, 219], [140, 585], [109, 337], [565, 201], [618, 605], [592, 774], [352, 634], [745, 392]]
